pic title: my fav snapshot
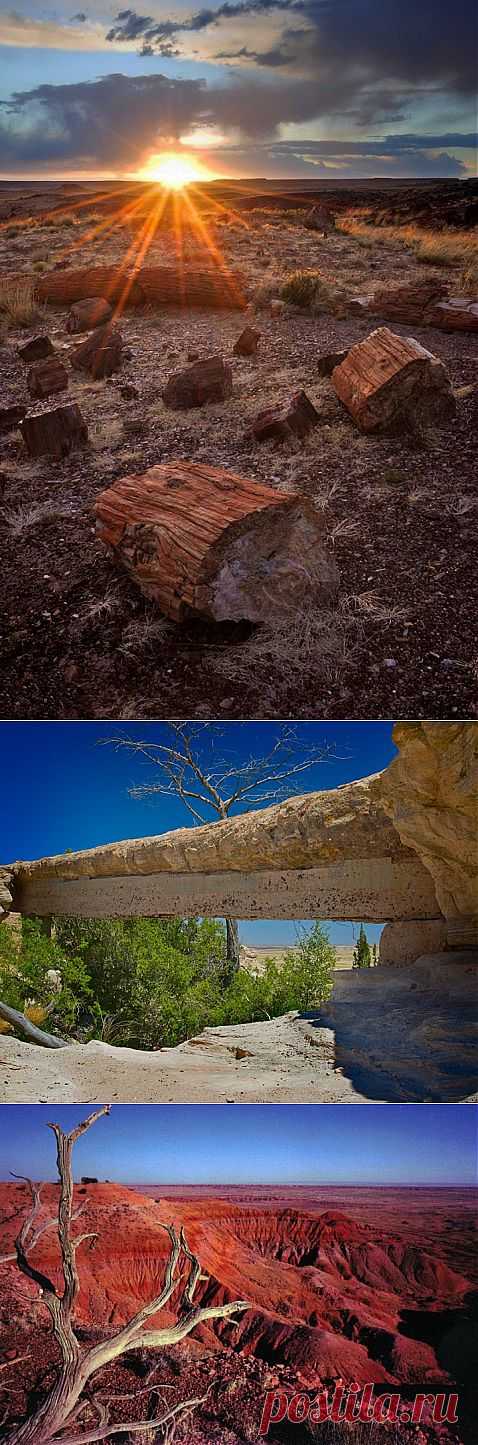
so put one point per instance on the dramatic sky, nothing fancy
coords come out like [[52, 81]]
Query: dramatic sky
[[322, 88], [250, 1143], [62, 789]]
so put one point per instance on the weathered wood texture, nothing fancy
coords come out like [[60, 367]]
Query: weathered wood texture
[[294, 417], [46, 377], [101, 354], [199, 539], [86, 315], [407, 304], [154, 285], [36, 349], [54, 431], [207, 380], [390, 380]]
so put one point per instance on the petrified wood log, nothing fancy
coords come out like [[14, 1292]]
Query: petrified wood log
[[86, 315], [11, 414], [45, 377], [171, 286], [455, 314], [247, 343], [62, 288], [54, 430], [387, 380], [163, 285], [36, 349], [206, 380], [294, 417], [407, 304], [198, 539], [101, 354]]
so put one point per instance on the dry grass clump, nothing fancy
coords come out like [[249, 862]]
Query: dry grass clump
[[311, 291], [432, 248], [18, 300], [19, 520], [469, 276]]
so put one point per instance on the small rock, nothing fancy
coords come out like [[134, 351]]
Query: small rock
[[294, 417], [101, 354], [88, 314], [277, 307], [247, 342], [53, 431], [11, 416], [45, 377], [36, 349], [207, 380]]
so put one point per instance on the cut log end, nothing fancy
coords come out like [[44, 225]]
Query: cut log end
[[388, 382], [200, 540]]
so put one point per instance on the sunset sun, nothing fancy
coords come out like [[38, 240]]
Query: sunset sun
[[174, 171]]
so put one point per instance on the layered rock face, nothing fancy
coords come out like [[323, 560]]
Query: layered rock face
[[398, 846], [430, 792]]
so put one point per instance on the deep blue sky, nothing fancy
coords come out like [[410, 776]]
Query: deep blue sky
[[62, 790], [251, 1143]]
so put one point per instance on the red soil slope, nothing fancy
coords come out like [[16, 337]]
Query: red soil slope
[[330, 1297]]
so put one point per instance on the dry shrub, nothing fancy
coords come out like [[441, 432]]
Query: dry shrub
[[18, 300], [305, 646], [433, 248], [22, 519], [310, 290]]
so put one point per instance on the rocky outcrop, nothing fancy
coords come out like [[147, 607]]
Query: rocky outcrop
[[430, 792], [399, 846]]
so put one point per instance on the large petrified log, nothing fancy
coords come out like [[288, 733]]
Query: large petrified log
[[53, 431], [407, 304], [454, 314], [101, 354], [157, 285], [200, 539], [388, 380], [174, 286], [207, 380]]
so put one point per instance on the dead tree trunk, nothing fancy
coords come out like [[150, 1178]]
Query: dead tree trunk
[[24, 1025], [62, 1406], [233, 952], [199, 539]]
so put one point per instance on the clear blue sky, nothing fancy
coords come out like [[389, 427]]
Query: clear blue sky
[[62, 790], [251, 1143]]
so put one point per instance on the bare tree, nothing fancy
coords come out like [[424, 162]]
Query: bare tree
[[55, 1422], [193, 765]]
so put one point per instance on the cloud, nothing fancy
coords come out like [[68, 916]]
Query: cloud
[[116, 122], [26, 32], [374, 55]]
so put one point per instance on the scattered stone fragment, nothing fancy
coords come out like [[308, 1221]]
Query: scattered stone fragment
[[206, 380], [101, 354], [54, 431], [294, 417], [11, 416], [88, 314], [247, 343], [198, 539], [277, 306], [36, 349], [318, 219], [331, 359], [388, 380], [45, 377]]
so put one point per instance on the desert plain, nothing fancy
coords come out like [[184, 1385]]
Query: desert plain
[[78, 637]]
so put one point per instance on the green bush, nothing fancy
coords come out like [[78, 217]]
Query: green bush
[[150, 983]]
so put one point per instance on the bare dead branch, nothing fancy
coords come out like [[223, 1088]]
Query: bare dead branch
[[32, 1033], [52, 1422]]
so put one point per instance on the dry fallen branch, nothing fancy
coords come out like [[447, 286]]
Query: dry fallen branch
[[53, 1419]]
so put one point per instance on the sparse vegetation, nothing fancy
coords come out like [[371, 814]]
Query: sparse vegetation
[[18, 300], [311, 290], [433, 248]]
